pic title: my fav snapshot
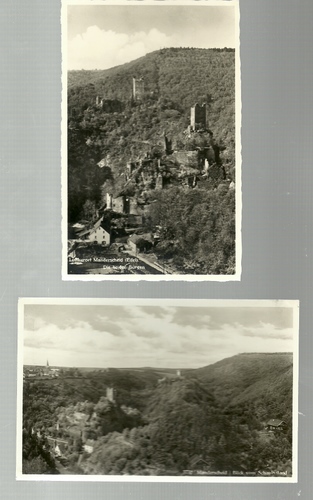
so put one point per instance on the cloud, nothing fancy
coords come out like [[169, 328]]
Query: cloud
[[197, 317], [101, 49], [267, 331], [99, 318], [157, 311], [216, 318], [95, 335]]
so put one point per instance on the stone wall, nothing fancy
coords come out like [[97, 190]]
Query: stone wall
[[186, 157]]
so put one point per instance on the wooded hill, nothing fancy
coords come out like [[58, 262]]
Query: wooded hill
[[175, 79], [125, 129], [264, 380], [217, 414]]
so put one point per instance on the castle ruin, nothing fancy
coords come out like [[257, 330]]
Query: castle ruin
[[109, 105], [110, 394], [138, 89], [198, 118], [168, 143], [109, 201]]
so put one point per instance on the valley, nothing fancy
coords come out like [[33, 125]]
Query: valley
[[233, 417]]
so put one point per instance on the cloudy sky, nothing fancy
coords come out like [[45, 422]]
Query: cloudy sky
[[104, 36], [163, 335]]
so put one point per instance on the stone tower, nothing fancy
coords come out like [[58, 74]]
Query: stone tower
[[109, 200], [110, 394], [138, 89], [198, 117], [168, 145]]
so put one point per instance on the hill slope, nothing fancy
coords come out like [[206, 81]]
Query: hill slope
[[182, 418], [261, 380], [177, 77]]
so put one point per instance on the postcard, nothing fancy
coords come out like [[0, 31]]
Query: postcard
[[157, 390], [151, 150]]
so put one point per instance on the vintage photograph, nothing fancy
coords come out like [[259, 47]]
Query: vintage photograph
[[151, 154], [169, 390]]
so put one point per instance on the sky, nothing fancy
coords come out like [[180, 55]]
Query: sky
[[103, 36], [164, 335]]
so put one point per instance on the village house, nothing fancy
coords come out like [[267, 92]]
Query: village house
[[199, 464], [275, 424], [88, 446], [140, 242], [96, 234]]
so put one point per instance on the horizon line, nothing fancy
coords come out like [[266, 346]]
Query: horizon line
[[157, 368]]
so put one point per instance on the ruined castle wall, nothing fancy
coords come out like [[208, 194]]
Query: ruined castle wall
[[110, 105], [186, 157], [134, 209], [118, 204]]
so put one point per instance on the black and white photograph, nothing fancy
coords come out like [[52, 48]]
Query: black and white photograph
[[151, 154], [157, 390]]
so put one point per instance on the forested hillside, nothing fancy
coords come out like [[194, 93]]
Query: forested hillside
[[175, 79], [123, 129], [264, 380], [213, 418]]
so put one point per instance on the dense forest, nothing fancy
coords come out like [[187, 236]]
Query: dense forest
[[198, 223], [159, 422]]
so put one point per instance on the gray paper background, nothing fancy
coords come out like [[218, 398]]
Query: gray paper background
[[277, 99]]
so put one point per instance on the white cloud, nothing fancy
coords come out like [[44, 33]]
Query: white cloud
[[143, 336], [100, 49]]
